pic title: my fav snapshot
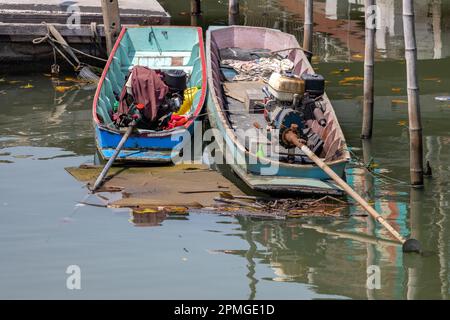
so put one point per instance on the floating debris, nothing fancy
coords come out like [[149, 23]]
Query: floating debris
[[63, 89], [351, 81], [23, 156], [402, 123], [399, 101], [340, 71], [284, 208], [442, 98]]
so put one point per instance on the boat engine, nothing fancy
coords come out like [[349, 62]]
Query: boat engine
[[295, 100]]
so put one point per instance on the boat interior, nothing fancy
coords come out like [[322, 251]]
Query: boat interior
[[230, 94], [158, 48]]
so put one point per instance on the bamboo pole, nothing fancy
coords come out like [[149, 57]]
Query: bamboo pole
[[233, 6], [196, 7], [196, 12], [290, 136], [308, 26], [369, 58], [233, 12], [111, 20], [415, 124]]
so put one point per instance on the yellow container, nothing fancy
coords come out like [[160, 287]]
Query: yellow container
[[189, 95]]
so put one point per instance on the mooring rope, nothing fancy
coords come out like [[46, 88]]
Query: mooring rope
[[49, 38], [360, 163]]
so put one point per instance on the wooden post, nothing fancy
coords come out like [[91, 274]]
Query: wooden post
[[369, 57], [196, 12], [233, 11], [233, 6], [308, 26], [196, 7], [111, 20], [415, 123]]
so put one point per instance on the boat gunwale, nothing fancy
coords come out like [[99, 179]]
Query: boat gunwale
[[151, 133], [345, 158]]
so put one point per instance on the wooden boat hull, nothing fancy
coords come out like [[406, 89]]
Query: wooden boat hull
[[254, 171], [139, 148], [149, 146]]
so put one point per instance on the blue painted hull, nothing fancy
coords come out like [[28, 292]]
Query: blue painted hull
[[139, 149], [159, 48]]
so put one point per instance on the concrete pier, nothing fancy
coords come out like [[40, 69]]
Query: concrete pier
[[79, 21]]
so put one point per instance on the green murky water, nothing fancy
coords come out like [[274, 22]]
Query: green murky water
[[48, 127]]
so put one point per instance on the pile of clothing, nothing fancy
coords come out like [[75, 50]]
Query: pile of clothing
[[154, 98]]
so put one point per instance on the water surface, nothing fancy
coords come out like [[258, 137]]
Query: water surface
[[47, 127]]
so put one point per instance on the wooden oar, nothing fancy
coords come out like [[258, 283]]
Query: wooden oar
[[111, 160], [291, 136]]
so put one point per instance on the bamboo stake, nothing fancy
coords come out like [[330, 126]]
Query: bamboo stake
[[233, 6], [233, 12], [196, 12], [111, 20], [196, 8], [368, 105], [308, 26], [415, 124]]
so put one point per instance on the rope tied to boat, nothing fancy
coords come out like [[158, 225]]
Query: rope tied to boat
[[48, 37], [51, 37], [358, 162]]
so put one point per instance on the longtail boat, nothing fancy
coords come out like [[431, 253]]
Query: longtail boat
[[159, 48], [229, 115]]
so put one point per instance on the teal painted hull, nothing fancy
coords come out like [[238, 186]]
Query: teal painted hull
[[260, 174], [176, 48], [296, 179]]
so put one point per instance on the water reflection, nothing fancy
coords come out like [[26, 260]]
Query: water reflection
[[51, 112], [339, 25], [330, 256]]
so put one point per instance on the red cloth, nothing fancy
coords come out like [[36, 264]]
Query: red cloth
[[147, 89], [176, 121]]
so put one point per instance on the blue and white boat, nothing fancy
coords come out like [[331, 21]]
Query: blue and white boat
[[159, 48]]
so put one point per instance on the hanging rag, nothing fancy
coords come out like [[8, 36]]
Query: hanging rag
[[146, 88]]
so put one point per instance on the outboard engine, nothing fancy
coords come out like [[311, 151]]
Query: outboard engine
[[176, 81], [281, 119], [295, 100]]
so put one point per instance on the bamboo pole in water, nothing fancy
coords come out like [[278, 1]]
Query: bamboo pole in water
[[111, 20], [308, 25], [233, 6], [196, 12], [415, 124], [369, 57], [233, 11], [196, 7]]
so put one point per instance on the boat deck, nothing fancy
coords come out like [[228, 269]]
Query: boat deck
[[243, 122]]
